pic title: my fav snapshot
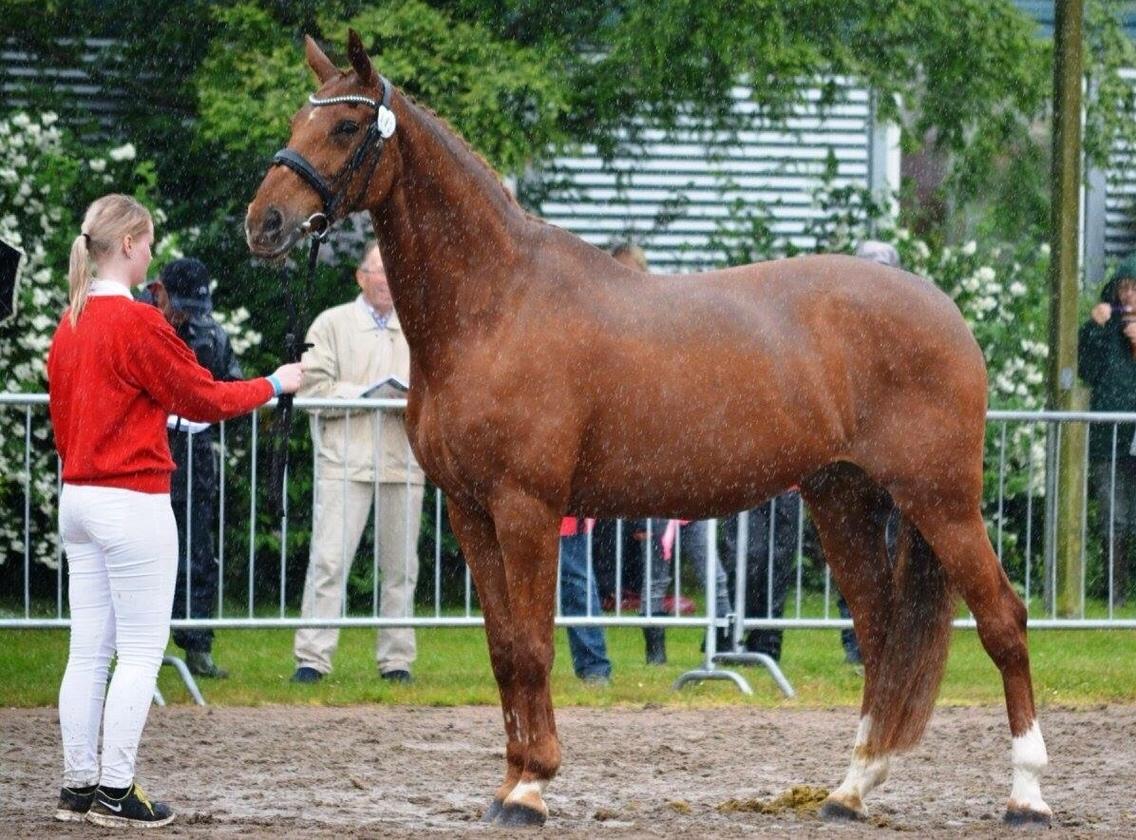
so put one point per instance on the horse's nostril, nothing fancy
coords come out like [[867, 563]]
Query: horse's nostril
[[273, 221]]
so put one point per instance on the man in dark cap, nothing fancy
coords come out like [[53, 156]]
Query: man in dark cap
[[1107, 362], [9, 266], [182, 293]]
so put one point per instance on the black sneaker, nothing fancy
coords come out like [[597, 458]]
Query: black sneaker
[[74, 803], [305, 674], [132, 809], [398, 676]]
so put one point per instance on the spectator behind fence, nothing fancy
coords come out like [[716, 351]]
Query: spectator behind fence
[[116, 369], [356, 349], [883, 253], [181, 292], [579, 596], [770, 549], [1107, 364]]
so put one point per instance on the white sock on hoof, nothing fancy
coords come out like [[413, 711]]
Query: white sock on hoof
[[864, 773], [1030, 758], [524, 791]]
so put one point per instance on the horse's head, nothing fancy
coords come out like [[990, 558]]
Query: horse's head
[[330, 167]]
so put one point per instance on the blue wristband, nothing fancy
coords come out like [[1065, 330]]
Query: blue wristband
[[277, 387]]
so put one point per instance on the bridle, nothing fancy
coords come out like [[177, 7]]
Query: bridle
[[332, 194]]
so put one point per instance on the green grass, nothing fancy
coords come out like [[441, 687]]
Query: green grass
[[1070, 668]]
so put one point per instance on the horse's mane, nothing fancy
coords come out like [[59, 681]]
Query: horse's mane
[[452, 139]]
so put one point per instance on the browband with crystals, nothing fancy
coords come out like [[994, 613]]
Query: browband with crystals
[[384, 116]]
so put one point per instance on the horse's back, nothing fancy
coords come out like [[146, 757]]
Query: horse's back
[[787, 318], [745, 380]]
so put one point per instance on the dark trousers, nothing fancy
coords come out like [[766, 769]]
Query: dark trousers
[[588, 645], [605, 535], [1115, 492], [195, 542], [770, 552]]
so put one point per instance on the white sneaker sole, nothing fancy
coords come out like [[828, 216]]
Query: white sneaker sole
[[64, 815], [111, 821]]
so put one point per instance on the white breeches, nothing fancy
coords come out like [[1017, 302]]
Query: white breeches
[[121, 549]]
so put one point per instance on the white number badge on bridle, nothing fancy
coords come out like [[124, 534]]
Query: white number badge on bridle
[[385, 121]]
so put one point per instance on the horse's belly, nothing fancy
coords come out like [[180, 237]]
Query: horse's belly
[[686, 483]]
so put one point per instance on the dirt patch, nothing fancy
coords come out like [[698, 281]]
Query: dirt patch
[[382, 771]]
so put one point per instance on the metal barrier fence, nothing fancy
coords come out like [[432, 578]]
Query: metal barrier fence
[[1020, 503]]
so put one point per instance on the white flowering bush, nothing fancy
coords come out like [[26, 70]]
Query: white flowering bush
[[242, 337], [47, 179], [42, 182]]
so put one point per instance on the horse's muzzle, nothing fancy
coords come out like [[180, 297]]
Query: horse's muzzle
[[271, 236]]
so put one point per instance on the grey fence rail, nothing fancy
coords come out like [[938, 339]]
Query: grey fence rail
[[1020, 500]]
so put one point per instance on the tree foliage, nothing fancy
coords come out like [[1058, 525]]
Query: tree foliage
[[969, 72], [521, 77], [501, 96]]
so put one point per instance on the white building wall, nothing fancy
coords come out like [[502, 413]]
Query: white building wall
[[677, 192]]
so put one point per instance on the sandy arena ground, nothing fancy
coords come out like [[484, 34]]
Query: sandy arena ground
[[381, 771]]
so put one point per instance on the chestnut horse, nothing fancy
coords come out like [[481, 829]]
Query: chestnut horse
[[547, 379]]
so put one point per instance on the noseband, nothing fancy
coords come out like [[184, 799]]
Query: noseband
[[332, 194]]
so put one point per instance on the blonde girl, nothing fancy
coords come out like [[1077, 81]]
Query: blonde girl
[[116, 370]]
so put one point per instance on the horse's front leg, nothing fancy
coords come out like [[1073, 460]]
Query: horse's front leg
[[478, 539], [528, 531]]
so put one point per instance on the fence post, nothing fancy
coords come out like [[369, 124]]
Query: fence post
[[1070, 508], [1064, 285]]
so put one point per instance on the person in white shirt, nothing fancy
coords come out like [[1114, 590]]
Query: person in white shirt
[[358, 454]]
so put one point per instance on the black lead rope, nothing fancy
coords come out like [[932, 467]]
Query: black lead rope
[[294, 347]]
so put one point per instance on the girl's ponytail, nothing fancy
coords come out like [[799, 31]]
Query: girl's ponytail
[[79, 276], [106, 223]]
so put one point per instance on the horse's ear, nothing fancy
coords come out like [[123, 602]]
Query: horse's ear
[[321, 65], [357, 54]]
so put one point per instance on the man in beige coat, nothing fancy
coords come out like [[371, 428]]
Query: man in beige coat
[[355, 346]]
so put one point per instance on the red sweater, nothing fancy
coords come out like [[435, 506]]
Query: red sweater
[[112, 381]]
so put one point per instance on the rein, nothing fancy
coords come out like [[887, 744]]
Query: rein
[[318, 227]]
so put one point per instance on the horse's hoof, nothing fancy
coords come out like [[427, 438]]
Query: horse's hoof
[[1027, 817], [515, 815], [493, 811], [838, 811]]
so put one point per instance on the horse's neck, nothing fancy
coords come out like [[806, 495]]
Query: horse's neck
[[448, 232]]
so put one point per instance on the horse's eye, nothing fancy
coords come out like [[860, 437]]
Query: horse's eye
[[347, 127]]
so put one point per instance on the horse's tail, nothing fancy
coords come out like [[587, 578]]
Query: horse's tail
[[914, 654]]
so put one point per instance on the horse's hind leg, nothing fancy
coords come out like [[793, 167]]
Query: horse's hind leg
[[963, 547], [478, 539], [850, 513]]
